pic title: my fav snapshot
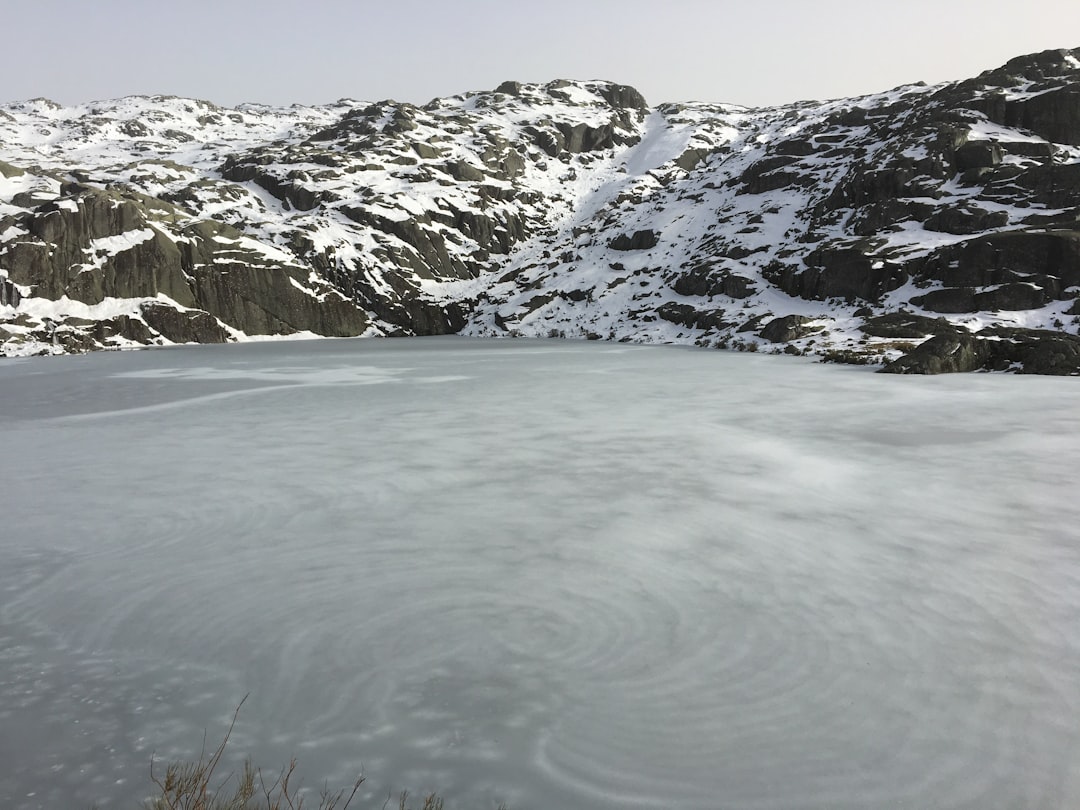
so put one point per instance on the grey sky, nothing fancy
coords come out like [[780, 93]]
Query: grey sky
[[753, 52]]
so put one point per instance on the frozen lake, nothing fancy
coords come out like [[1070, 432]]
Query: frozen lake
[[562, 575]]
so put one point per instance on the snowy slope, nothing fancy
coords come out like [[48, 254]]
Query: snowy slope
[[854, 229]]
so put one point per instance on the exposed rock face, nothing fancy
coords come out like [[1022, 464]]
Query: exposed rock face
[[846, 273], [641, 240], [943, 353], [892, 222], [179, 326], [905, 325], [787, 329], [1026, 351], [709, 281], [90, 245]]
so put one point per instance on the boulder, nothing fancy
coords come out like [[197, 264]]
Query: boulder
[[707, 282], [905, 326], [641, 240], [1034, 351], [690, 316], [788, 328], [624, 97], [942, 354], [7, 170]]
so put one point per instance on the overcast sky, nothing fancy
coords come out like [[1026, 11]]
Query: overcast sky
[[754, 52]]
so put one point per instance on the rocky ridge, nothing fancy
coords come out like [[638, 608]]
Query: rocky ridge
[[926, 229]]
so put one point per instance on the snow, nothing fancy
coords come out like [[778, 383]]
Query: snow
[[111, 245], [445, 562], [11, 232], [570, 206], [40, 308], [988, 131], [659, 145]]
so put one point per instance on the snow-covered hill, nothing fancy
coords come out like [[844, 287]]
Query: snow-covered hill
[[935, 228]]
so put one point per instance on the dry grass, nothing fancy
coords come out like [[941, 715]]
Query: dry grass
[[198, 786]]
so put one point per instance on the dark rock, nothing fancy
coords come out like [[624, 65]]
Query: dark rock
[[978, 154], [426, 150], [7, 170], [641, 240], [179, 135], [872, 218], [1002, 258], [964, 219], [122, 326], [752, 324], [846, 273], [864, 185], [60, 259], [1031, 351], [1054, 185], [1053, 114], [689, 316], [264, 301], [905, 325], [624, 97], [681, 314], [947, 300], [706, 281], [1042, 150], [763, 176], [290, 189], [689, 159], [551, 141], [1012, 298], [510, 88], [794, 146], [183, 326], [9, 294], [943, 354], [584, 138], [460, 170], [787, 328], [513, 165]]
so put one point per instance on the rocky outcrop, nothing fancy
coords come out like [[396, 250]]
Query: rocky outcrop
[[9, 294], [788, 328], [900, 219], [1025, 351], [93, 244], [645, 239], [694, 318], [943, 354], [182, 326], [905, 325], [1014, 271], [846, 273], [710, 281]]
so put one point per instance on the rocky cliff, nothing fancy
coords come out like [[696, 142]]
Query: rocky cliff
[[926, 229]]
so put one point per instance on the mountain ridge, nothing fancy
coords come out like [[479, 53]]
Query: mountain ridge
[[926, 228]]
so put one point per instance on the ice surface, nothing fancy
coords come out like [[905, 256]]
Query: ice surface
[[564, 575]]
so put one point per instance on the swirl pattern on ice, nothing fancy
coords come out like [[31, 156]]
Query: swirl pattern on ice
[[556, 574]]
